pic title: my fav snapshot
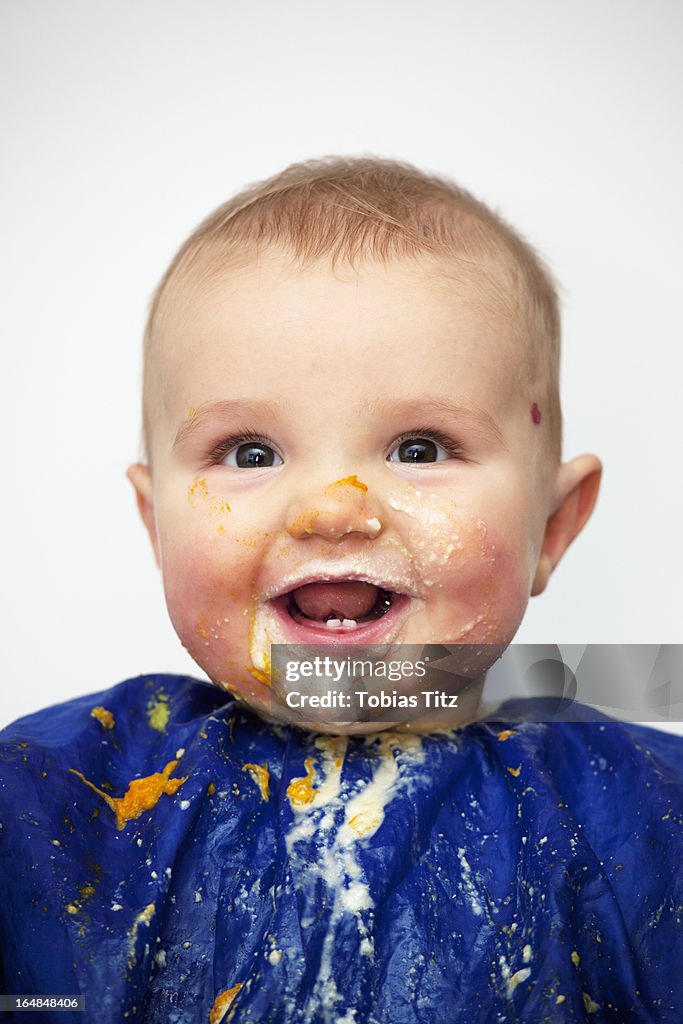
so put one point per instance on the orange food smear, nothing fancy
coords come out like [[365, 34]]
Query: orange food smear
[[103, 716], [76, 906], [198, 489], [303, 523], [351, 481], [506, 734], [261, 675], [301, 791], [261, 776], [222, 1004], [515, 771], [142, 794]]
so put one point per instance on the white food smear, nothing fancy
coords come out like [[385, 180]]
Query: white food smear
[[140, 920], [468, 884], [263, 634], [407, 503], [337, 821], [435, 516], [348, 1018], [517, 978], [513, 980]]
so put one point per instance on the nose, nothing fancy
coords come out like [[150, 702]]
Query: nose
[[339, 509]]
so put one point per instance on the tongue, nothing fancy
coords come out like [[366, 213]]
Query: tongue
[[348, 600]]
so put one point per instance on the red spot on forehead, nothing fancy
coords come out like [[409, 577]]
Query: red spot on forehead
[[535, 414]]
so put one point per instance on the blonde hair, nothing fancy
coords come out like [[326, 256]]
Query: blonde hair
[[350, 209]]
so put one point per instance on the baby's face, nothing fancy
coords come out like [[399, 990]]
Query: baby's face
[[341, 456]]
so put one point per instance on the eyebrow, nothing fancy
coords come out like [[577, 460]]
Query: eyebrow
[[260, 408], [238, 408], [454, 410]]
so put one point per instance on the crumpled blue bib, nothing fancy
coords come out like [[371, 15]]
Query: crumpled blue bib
[[176, 859]]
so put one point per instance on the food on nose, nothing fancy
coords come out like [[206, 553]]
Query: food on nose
[[351, 481], [348, 599]]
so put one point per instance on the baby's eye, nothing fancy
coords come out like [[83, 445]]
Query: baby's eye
[[418, 450], [251, 455]]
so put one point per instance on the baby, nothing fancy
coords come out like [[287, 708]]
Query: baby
[[352, 424], [352, 439]]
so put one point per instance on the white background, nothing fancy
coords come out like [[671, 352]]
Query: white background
[[124, 123]]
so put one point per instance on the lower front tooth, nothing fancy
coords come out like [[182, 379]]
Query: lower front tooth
[[349, 624], [333, 623]]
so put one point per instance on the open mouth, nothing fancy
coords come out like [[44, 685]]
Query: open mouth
[[332, 608]]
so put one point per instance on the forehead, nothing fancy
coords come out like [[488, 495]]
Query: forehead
[[319, 338], [378, 309]]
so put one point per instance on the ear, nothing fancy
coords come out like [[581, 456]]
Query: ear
[[576, 491], [141, 478]]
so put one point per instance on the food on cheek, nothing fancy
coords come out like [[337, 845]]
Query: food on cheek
[[197, 491], [248, 539], [262, 671], [198, 496], [212, 629]]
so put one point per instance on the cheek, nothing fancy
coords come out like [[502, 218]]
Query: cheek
[[474, 569], [487, 579], [487, 563], [491, 583], [208, 584]]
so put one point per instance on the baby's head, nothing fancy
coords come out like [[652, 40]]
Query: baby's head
[[352, 423]]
